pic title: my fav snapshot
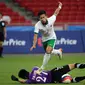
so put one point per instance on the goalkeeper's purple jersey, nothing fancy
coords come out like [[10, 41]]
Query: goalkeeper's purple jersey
[[44, 77]]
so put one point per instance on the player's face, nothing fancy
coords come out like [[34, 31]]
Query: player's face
[[43, 18]]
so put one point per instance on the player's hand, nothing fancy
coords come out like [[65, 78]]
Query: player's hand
[[60, 4], [32, 47], [37, 72], [14, 78]]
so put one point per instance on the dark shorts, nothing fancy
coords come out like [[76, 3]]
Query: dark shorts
[[58, 72], [1, 37]]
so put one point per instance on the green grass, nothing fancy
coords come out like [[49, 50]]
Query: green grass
[[11, 64]]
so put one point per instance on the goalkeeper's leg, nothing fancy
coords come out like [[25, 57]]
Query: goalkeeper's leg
[[78, 79], [76, 65]]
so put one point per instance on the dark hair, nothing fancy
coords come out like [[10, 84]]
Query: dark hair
[[23, 74], [41, 12]]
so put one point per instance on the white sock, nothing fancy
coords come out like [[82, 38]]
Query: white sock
[[45, 60], [54, 51]]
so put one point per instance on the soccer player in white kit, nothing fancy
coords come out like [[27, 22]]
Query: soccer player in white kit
[[45, 26]]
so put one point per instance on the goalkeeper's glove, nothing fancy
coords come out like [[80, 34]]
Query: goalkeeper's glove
[[14, 78]]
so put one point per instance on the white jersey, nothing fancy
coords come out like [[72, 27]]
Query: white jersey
[[47, 31]]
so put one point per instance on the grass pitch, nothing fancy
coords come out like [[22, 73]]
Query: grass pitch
[[11, 64]]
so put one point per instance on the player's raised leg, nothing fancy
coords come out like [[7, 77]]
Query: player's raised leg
[[57, 52], [48, 47]]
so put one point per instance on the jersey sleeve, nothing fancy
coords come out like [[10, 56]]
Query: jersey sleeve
[[3, 24], [28, 81], [52, 19], [36, 30], [35, 68]]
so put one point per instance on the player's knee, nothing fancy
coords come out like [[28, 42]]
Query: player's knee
[[71, 66], [48, 50]]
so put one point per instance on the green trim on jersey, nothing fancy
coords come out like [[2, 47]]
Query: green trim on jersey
[[49, 43]]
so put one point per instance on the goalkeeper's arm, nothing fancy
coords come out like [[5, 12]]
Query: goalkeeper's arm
[[14, 78], [22, 81]]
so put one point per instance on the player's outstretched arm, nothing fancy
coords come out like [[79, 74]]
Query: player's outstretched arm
[[34, 42], [22, 81], [14, 78], [58, 9]]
